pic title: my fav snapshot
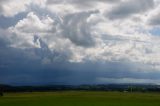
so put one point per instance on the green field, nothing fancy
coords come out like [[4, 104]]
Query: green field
[[80, 98]]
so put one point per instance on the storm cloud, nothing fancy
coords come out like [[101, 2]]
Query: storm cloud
[[79, 42], [129, 7]]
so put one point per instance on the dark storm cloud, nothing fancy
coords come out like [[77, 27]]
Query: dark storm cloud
[[6, 22], [130, 7], [155, 20], [77, 29], [25, 67], [54, 57], [19, 69]]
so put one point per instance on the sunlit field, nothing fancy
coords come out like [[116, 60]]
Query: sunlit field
[[80, 98]]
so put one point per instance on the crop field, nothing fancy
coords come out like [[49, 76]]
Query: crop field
[[80, 98]]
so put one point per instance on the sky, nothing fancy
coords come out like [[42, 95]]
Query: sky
[[79, 42]]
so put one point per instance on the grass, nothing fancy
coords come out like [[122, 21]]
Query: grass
[[80, 98]]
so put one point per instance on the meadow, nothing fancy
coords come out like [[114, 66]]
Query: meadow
[[80, 98]]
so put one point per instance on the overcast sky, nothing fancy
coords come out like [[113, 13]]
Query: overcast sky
[[79, 41]]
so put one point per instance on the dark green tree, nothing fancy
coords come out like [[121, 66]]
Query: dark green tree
[[1, 90]]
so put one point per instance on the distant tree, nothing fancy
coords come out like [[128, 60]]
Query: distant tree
[[130, 89], [1, 93], [1, 90]]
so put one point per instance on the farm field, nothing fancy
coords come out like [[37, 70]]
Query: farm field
[[80, 98]]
